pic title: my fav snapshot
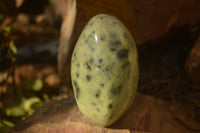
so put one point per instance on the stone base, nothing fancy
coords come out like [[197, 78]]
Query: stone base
[[146, 115]]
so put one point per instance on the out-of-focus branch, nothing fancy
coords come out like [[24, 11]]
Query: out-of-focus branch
[[66, 36]]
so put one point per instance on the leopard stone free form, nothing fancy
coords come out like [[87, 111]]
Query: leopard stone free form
[[104, 70]]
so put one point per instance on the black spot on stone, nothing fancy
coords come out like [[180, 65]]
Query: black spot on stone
[[102, 85], [88, 39], [99, 67], [108, 68], [91, 34], [112, 35], [88, 77], [92, 60], [123, 53], [75, 56], [100, 61], [98, 93], [77, 89], [114, 23], [116, 90], [91, 24], [125, 35], [113, 45], [98, 110], [112, 49], [110, 106], [75, 83], [102, 38], [93, 49], [125, 64], [117, 43], [77, 75], [88, 66]]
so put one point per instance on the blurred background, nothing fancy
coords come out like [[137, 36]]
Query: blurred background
[[37, 38]]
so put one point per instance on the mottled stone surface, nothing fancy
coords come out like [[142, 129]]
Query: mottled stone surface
[[104, 70]]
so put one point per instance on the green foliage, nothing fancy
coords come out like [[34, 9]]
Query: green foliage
[[8, 123], [46, 97], [51, 1], [1, 17], [5, 125], [25, 108], [3, 128], [9, 29], [54, 97], [22, 105], [22, 108], [13, 47], [35, 85]]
